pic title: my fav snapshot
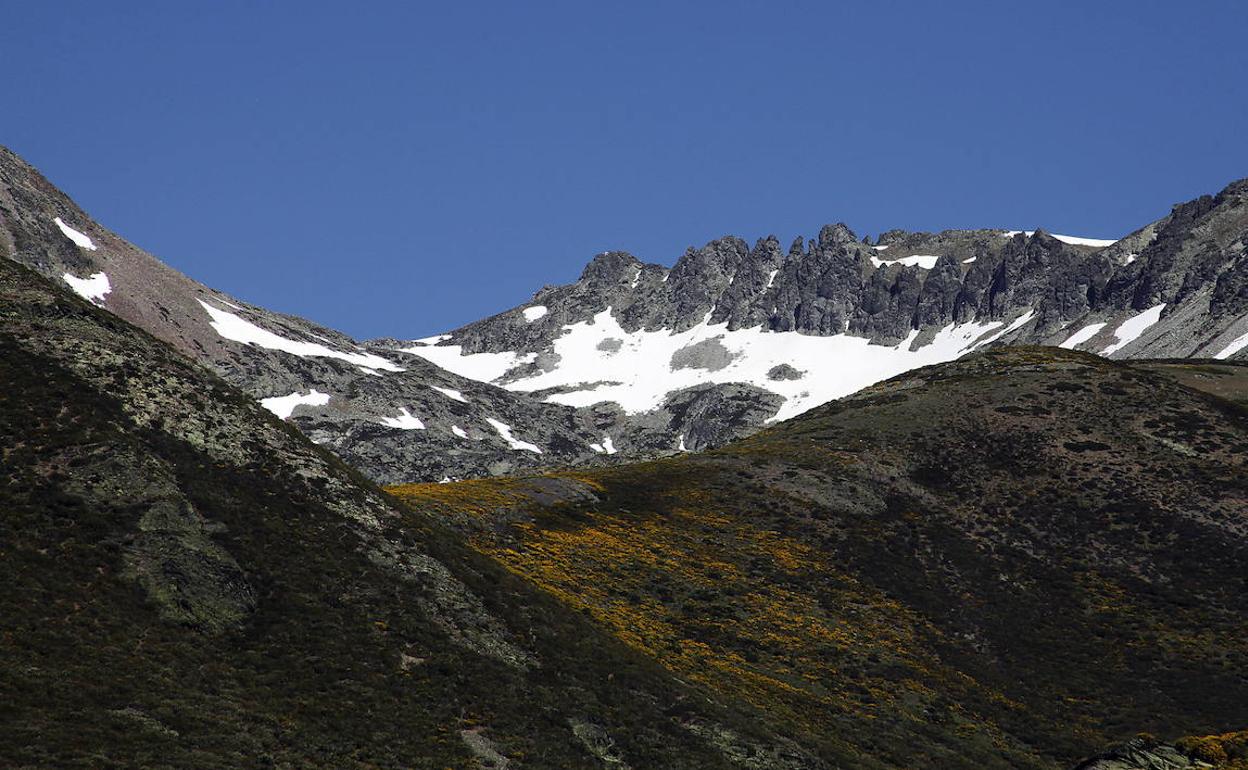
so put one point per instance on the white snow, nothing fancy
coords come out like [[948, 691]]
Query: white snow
[[533, 313], [284, 406], [83, 241], [450, 393], [458, 431], [771, 278], [638, 376], [241, 330], [435, 339], [596, 447], [405, 421], [879, 248], [504, 430], [1128, 259], [969, 260], [92, 289], [1071, 239], [1237, 344], [1081, 336], [680, 446], [608, 447], [636, 278], [1133, 327], [925, 261], [483, 367], [372, 372]]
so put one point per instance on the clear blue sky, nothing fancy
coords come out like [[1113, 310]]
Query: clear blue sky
[[402, 168]]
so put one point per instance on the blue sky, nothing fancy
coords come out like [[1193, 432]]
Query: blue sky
[[401, 168]]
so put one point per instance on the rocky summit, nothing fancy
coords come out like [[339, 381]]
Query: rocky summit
[[636, 360]]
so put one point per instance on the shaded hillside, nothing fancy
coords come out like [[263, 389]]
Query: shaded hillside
[[1010, 560], [191, 583]]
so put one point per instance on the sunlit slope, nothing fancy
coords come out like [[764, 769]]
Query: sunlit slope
[[1015, 559]]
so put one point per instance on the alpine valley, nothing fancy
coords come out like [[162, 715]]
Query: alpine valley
[[967, 499]]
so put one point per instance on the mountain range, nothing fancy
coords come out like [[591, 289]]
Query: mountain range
[[973, 499], [636, 360]]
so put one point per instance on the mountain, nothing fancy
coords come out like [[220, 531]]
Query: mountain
[[191, 583], [635, 361], [1009, 560], [765, 333], [1005, 561], [385, 412]]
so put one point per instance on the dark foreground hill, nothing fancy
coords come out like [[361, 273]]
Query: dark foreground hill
[[1012, 560], [188, 582]]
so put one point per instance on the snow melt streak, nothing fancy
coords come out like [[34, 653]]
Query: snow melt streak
[[83, 240], [504, 430], [238, 329]]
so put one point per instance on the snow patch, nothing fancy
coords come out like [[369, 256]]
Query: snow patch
[[405, 421], [1237, 344], [879, 248], [368, 371], [450, 393], [771, 278], [91, 289], [608, 447], [83, 241], [483, 367], [284, 406], [1081, 336], [925, 261], [533, 313], [1133, 327], [458, 431], [969, 260], [1071, 239], [241, 330], [504, 430], [680, 446]]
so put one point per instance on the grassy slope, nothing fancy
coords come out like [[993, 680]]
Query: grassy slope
[[1007, 561], [196, 585]]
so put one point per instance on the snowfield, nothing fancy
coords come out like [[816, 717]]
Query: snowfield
[[639, 375]]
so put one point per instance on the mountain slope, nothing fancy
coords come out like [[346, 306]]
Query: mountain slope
[[1010, 560], [191, 583], [381, 411]]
